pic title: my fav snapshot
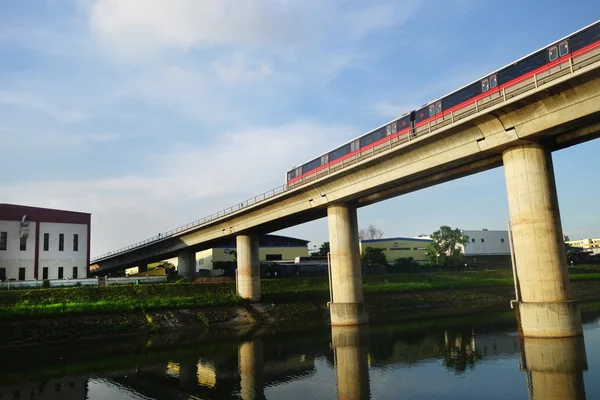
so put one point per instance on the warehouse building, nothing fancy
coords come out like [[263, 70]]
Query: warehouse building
[[271, 248], [42, 243], [487, 249], [400, 247]]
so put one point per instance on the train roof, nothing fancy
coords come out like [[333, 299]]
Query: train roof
[[454, 91], [352, 140]]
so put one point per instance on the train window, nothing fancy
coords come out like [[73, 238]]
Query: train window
[[563, 48], [432, 110], [552, 53], [388, 130], [493, 81], [324, 159], [394, 127], [438, 107], [485, 85]]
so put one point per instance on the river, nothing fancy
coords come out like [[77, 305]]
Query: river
[[472, 357]]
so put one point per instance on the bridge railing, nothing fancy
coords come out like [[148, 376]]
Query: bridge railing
[[385, 146], [194, 224]]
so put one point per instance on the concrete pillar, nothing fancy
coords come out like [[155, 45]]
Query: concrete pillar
[[251, 365], [248, 267], [351, 347], [186, 263], [546, 308], [555, 367], [348, 307], [142, 268]]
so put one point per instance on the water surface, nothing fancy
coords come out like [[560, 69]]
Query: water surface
[[468, 358]]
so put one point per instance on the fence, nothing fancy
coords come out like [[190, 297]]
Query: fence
[[82, 282]]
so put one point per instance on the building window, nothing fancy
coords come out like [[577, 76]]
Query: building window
[[482, 240], [2, 274], [46, 241], [45, 273], [23, 244], [75, 242], [61, 242], [473, 240], [502, 240], [60, 272], [74, 272], [274, 257], [21, 274], [201, 261], [3, 240]]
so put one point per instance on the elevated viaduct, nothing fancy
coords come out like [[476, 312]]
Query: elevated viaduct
[[518, 128]]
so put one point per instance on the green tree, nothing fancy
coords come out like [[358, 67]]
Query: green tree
[[445, 250], [374, 257], [404, 264], [323, 250]]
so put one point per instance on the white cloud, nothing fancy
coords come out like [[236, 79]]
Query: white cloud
[[182, 183], [25, 101], [239, 69]]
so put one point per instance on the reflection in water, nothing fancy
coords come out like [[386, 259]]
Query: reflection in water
[[251, 367], [554, 368], [351, 348], [431, 359]]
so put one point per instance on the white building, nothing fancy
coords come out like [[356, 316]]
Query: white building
[[486, 243], [42, 243]]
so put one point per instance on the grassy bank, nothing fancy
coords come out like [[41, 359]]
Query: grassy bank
[[113, 299]]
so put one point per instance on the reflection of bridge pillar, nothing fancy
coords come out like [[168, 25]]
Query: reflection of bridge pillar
[[351, 346], [248, 271], [186, 263], [546, 308], [251, 364], [188, 374], [347, 307], [555, 367]]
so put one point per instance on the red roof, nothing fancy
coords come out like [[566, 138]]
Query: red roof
[[14, 212]]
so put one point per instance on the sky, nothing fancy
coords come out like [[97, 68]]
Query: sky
[[150, 114]]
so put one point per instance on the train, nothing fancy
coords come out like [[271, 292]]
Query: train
[[513, 79]]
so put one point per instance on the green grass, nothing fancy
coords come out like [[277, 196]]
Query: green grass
[[112, 299]]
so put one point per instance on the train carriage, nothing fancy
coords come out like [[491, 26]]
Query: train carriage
[[568, 54]]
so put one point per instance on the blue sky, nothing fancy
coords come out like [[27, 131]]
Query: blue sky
[[150, 114]]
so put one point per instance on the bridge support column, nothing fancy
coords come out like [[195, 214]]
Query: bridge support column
[[248, 271], [142, 268], [546, 308], [347, 306], [351, 348], [186, 263], [251, 366], [555, 367]]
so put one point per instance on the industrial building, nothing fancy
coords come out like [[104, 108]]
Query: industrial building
[[400, 247], [585, 243], [42, 243], [271, 248], [487, 249]]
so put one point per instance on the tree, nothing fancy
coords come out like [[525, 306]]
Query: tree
[[323, 250], [374, 257], [445, 249], [370, 233]]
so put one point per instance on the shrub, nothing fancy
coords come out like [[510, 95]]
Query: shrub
[[46, 284]]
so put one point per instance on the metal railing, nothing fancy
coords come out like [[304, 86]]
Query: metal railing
[[384, 147]]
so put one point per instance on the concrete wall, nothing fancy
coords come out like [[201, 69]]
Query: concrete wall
[[486, 242], [53, 259], [12, 258], [395, 248]]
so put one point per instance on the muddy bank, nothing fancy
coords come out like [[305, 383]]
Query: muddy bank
[[240, 320]]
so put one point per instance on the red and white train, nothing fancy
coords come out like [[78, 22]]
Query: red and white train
[[571, 52]]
